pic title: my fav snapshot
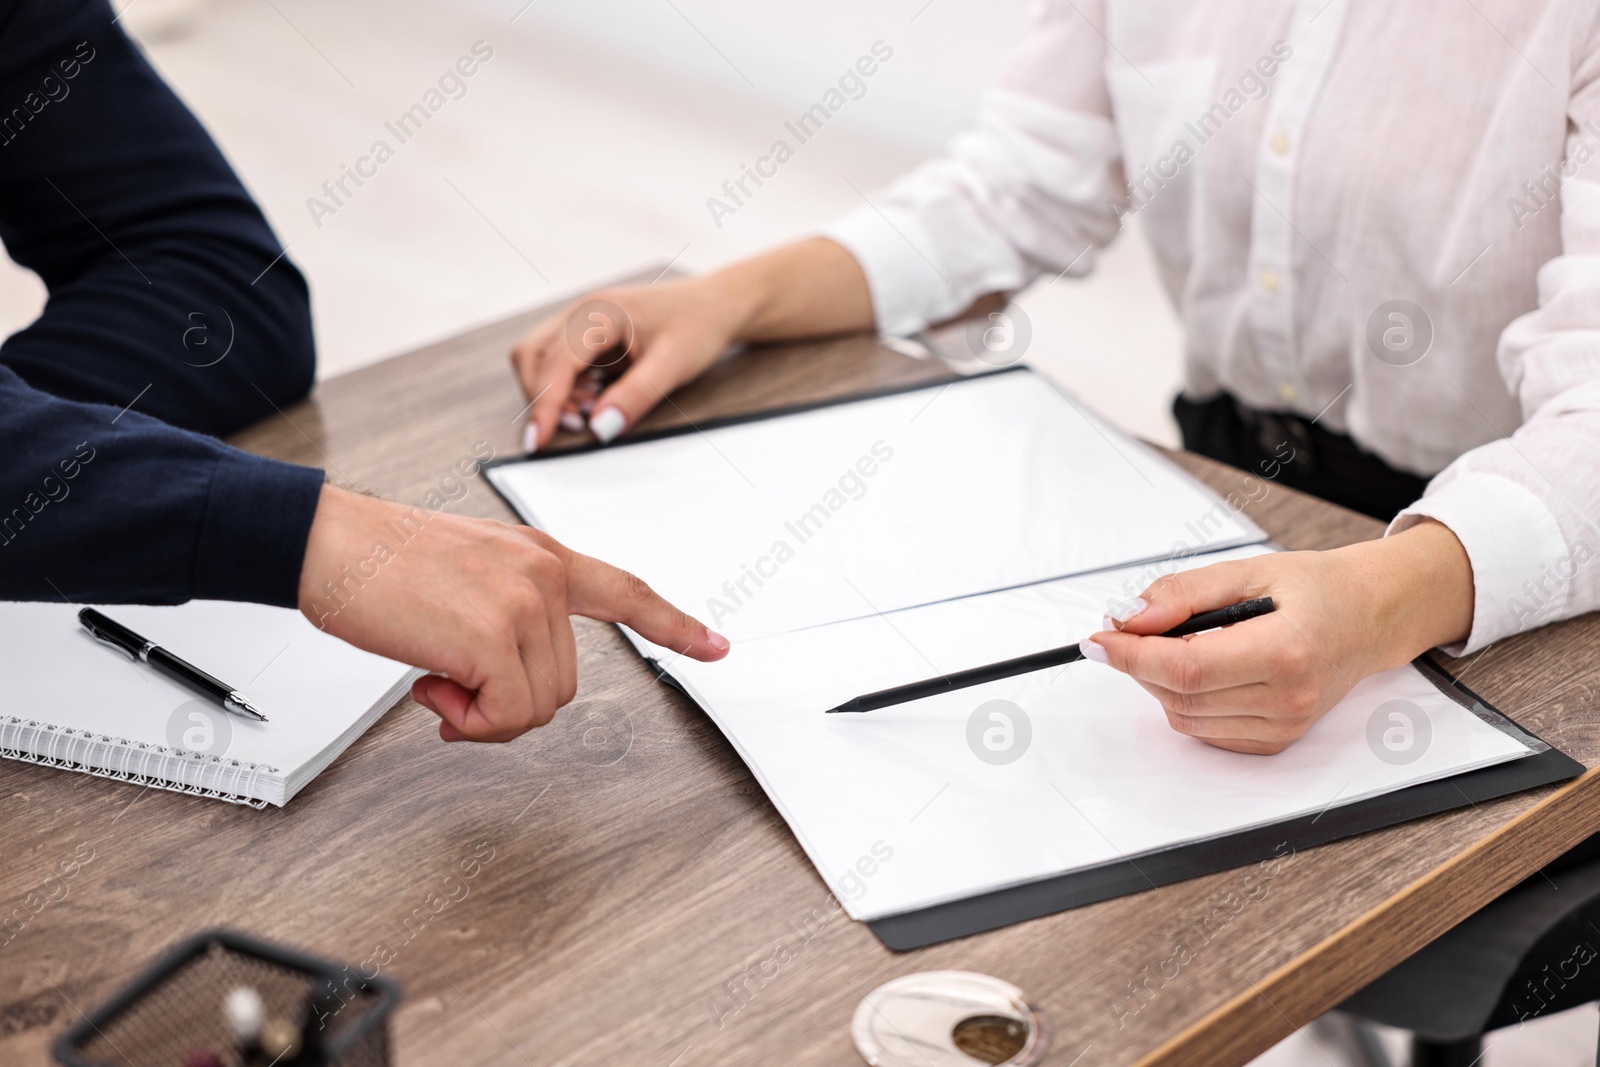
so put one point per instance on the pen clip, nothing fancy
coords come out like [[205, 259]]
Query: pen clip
[[95, 633]]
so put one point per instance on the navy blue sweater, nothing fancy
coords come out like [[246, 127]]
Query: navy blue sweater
[[172, 317]]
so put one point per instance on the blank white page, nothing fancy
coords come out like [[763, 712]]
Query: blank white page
[[874, 505], [317, 691], [1102, 777]]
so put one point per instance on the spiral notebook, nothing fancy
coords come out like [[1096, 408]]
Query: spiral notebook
[[73, 704]]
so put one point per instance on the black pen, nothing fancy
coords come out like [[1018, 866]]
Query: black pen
[[1038, 661], [115, 635]]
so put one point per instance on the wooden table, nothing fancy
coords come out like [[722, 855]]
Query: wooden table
[[622, 911]]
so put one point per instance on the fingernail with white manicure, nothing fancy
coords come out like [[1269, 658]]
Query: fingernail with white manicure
[[1093, 651], [607, 424], [571, 420], [1127, 611], [530, 439]]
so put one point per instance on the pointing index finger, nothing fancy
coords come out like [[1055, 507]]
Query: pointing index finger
[[609, 594]]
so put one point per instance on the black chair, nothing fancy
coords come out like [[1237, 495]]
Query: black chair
[[1532, 953]]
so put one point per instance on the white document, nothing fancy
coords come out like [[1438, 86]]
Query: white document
[[949, 528], [1096, 773], [74, 701], [874, 505]]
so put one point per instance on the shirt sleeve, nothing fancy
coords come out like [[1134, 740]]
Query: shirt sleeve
[[1030, 188], [1525, 506], [172, 315]]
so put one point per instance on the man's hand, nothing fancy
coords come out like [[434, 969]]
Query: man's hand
[[1257, 686], [481, 605]]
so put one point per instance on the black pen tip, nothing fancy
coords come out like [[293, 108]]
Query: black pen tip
[[847, 706]]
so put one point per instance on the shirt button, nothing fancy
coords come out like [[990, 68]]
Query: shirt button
[[1288, 393], [1268, 279], [1280, 143]]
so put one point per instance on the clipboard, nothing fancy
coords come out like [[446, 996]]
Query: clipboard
[[560, 493]]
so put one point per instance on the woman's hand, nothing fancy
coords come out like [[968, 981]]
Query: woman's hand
[[1257, 686], [659, 336], [653, 338]]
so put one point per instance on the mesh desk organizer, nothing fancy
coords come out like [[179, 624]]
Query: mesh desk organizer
[[175, 1008]]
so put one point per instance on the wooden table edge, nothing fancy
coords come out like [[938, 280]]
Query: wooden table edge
[[1319, 979]]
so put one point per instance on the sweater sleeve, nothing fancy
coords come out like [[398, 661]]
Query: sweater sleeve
[[172, 315], [107, 505]]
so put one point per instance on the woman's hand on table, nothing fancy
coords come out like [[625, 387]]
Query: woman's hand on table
[[610, 357], [1259, 685], [649, 338]]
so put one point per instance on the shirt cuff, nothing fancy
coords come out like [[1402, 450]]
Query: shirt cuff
[[907, 291], [1515, 547], [253, 537]]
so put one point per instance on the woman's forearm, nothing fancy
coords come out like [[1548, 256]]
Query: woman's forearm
[[1423, 579], [805, 289]]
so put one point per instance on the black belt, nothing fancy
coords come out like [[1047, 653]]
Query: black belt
[[1284, 447]]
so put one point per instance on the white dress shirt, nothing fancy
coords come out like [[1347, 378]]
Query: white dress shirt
[[1299, 166]]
